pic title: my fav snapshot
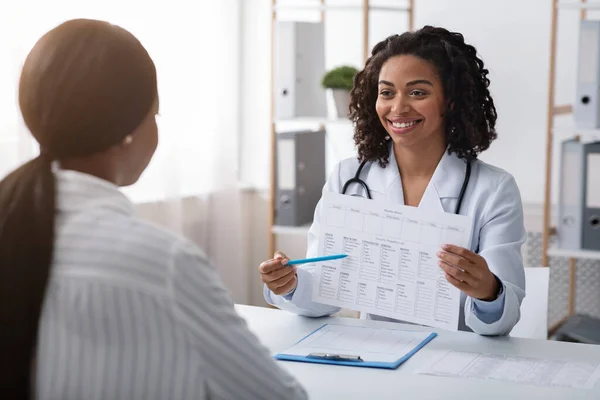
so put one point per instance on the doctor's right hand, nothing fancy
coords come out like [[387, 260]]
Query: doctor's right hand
[[279, 277]]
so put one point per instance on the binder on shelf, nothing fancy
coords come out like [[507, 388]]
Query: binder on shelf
[[591, 197], [579, 196], [299, 68], [587, 103], [300, 176], [570, 201]]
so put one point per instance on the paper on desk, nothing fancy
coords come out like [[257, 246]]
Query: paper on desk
[[525, 370], [371, 344], [392, 267]]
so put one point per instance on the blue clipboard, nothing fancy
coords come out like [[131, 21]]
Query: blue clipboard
[[364, 364]]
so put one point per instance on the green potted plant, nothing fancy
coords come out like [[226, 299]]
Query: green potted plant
[[340, 80]]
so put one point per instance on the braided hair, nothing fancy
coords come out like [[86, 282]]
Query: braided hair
[[470, 117]]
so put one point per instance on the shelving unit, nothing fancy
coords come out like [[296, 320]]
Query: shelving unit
[[553, 111], [584, 133], [404, 6]]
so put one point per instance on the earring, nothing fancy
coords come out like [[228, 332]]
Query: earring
[[128, 140]]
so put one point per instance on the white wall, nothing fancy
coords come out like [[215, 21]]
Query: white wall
[[513, 38]]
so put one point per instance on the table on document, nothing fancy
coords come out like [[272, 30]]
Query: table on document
[[391, 269]]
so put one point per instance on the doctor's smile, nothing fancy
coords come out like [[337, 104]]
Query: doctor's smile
[[403, 125]]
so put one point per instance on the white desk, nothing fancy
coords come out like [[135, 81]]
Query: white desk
[[278, 330]]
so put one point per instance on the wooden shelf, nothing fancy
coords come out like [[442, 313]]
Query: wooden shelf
[[574, 130], [290, 230], [580, 254], [563, 109], [578, 5], [586, 135], [552, 135]]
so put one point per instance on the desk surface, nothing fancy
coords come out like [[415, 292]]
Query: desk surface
[[278, 330]]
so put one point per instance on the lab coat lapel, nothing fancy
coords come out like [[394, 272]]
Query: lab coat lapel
[[392, 181], [431, 199], [385, 182], [445, 182]]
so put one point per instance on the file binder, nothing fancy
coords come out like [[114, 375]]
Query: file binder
[[587, 103], [570, 200], [357, 346], [591, 196], [579, 196], [300, 176], [299, 67]]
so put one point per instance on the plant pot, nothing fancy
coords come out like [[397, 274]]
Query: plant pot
[[341, 98]]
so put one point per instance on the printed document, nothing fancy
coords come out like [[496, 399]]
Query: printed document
[[525, 370], [391, 269]]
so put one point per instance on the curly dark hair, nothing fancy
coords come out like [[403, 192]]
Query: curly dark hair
[[470, 120]]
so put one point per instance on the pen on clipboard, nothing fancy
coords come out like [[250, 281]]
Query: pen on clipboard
[[334, 357], [316, 259]]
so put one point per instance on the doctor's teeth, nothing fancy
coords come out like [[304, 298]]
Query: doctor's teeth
[[404, 124]]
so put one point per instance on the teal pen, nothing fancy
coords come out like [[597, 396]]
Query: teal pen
[[316, 259]]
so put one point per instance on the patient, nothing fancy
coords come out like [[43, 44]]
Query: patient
[[96, 303]]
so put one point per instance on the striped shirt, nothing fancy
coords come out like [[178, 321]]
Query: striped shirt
[[134, 312]]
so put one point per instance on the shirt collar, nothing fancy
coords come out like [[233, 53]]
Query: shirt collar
[[77, 191]]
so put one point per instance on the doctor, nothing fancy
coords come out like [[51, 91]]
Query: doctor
[[423, 112]]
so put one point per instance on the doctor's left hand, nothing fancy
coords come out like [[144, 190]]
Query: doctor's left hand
[[469, 272]]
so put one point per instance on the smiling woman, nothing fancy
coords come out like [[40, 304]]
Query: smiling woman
[[422, 113], [431, 71]]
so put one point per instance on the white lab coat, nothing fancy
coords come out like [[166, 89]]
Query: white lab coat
[[492, 199]]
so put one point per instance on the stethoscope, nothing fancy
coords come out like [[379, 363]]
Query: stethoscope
[[357, 179]]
